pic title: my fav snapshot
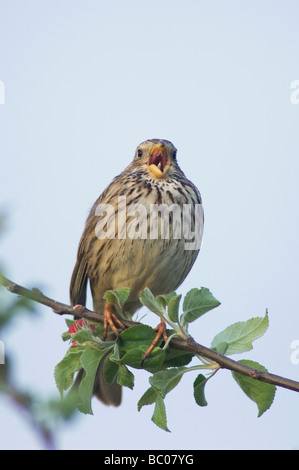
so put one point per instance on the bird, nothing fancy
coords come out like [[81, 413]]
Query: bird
[[128, 241]]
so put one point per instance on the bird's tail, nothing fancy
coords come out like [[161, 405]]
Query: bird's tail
[[109, 394]]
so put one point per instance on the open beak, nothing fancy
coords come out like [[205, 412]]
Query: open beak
[[158, 162]]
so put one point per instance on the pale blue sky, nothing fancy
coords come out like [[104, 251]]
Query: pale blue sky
[[85, 83]]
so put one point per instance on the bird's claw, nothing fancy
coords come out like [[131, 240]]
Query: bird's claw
[[161, 332], [110, 319]]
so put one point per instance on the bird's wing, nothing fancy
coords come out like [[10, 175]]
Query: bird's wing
[[78, 285], [79, 279]]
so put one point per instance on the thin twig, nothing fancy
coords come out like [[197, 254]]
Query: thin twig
[[188, 344], [227, 363]]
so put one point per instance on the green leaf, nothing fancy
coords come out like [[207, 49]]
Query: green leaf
[[125, 377], [110, 369], [134, 358], [66, 336], [115, 356], [260, 392], [98, 328], [197, 302], [148, 398], [176, 357], [221, 347], [83, 335], [163, 300], [90, 360], [69, 322], [164, 381], [155, 362], [117, 297], [237, 338], [198, 390], [159, 416], [173, 308], [137, 336], [147, 299], [65, 370]]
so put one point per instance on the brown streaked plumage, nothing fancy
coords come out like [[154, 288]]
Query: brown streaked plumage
[[161, 264]]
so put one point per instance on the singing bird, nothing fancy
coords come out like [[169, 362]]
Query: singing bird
[[131, 241]]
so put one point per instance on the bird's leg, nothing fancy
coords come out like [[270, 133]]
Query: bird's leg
[[161, 331], [110, 319]]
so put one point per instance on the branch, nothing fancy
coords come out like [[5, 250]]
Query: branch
[[226, 363], [188, 344], [57, 307]]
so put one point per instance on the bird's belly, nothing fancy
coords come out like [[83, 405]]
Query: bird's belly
[[161, 265], [157, 257]]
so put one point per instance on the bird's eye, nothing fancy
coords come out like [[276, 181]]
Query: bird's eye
[[139, 153], [174, 154]]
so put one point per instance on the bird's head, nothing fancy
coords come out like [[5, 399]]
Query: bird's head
[[158, 156]]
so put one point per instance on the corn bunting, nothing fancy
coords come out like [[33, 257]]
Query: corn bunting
[[144, 230]]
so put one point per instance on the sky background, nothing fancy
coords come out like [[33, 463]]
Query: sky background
[[85, 83]]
